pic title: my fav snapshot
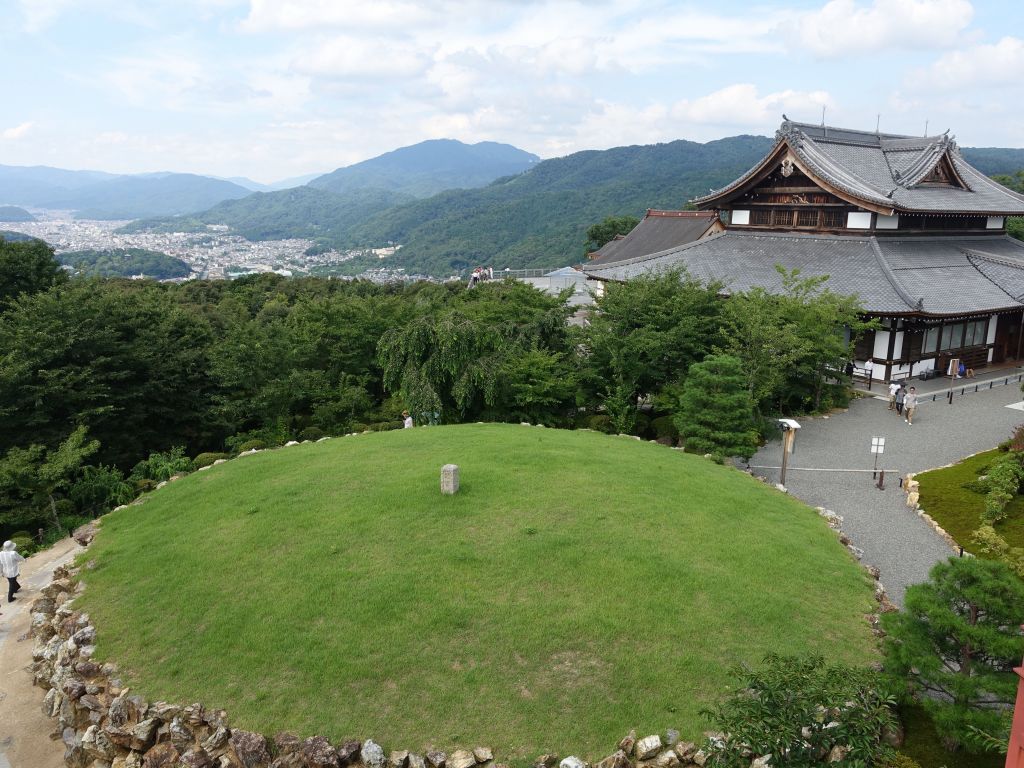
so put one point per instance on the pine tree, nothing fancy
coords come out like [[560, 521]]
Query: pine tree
[[956, 642], [716, 412]]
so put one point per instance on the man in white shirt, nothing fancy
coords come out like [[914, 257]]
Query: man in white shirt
[[894, 387], [10, 565]]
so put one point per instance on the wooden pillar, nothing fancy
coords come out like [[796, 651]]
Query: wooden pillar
[[1020, 334], [892, 348], [1015, 752]]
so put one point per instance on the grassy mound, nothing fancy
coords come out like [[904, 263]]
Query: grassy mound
[[578, 585]]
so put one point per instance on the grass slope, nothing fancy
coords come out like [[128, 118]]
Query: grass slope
[[578, 585]]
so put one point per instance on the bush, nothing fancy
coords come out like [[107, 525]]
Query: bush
[[27, 545], [1004, 481], [385, 426], [641, 425], [144, 485], [311, 433], [900, 760], [802, 708], [254, 444], [360, 427], [1016, 441], [665, 430], [599, 422], [100, 489], [206, 459], [976, 486], [163, 465]]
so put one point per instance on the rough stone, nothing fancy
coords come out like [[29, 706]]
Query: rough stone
[[450, 479], [287, 743], [164, 711], [685, 750], [97, 744], [197, 757], [648, 747], [250, 749], [761, 762], [161, 756], [666, 759], [838, 754], [84, 534], [436, 758], [671, 737], [398, 758], [416, 761], [894, 736], [546, 761], [181, 735], [317, 752], [348, 751], [617, 760], [572, 762], [461, 758], [372, 755], [627, 744], [700, 757], [142, 734], [216, 741], [483, 754]]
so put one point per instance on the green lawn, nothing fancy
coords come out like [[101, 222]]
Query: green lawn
[[579, 585], [958, 509]]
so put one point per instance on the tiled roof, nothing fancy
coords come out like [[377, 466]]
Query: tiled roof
[[929, 275], [657, 231], [887, 171]]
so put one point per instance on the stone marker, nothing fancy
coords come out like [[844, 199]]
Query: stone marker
[[450, 479]]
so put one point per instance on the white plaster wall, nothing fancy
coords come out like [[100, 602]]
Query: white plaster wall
[[881, 350], [897, 350], [994, 222], [858, 220], [887, 222], [740, 217], [992, 331]]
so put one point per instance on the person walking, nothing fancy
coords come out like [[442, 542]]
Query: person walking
[[894, 387], [910, 405], [898, 399], [406, 420], [10, 564]]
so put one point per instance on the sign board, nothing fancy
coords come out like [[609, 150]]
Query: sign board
[[878, 445]]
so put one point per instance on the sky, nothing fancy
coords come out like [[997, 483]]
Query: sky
[[272, 89]]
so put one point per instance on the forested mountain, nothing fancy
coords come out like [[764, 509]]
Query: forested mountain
[[430, 167], [994, 160], [539, 218], [14, 213], [35, 185], [125, 262], [297, 212]]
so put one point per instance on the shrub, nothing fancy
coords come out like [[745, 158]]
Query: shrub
[[27, 545], [99, 489], [641, 425], [254, 444], [1004, 479], [599, 422], [206, 459], [311, 433], [360, 427], [144, 485], [163, 465], [899, 760], [802, 708], [665, 430], [385, 426], [976, 486], [716, 413], [1016, 440]]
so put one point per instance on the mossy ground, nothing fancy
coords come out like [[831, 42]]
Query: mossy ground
[[578, 585]]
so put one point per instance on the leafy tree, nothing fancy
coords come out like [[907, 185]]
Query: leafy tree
[[643, 337], [716, 413], [605, 231], [126, 262], [25, 268], [802, 712], [794, 343], [31, 478], [956, 642]]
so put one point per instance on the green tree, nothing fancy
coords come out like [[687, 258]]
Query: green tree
[[716, 413], [607, 230], [31, 478], [643, 337], [25, 268], [956, 642], [803, 712]]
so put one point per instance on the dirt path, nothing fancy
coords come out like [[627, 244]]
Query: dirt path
[[24, 729]]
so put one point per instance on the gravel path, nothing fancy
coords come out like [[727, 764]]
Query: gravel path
[[24, 729], [893, 537]]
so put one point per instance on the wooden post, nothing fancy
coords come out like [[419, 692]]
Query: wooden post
[[1015, 750]]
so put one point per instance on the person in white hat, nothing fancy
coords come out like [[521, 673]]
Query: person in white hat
[[10, 565]]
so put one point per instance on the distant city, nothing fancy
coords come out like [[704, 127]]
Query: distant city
[[214, 254]]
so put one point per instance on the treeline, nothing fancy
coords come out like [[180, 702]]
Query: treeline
[[126, 262], [143, 368]]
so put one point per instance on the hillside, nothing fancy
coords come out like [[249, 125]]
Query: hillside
[[538, 219], [125, 262], [14, 213], [319, 553], [993, 161], [296, 212], [37, 184], [430, 167]]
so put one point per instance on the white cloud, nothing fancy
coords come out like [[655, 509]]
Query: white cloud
[[847, 26], [980, 65], [17, 132], [273, 15], [742, 105], [40, 13], [353, 57]]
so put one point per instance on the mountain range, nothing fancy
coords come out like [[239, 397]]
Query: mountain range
[[450, 205]]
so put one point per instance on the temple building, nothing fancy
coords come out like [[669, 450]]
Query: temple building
[[903, 222], [658, 231]]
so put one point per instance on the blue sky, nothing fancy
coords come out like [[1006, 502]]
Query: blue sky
[[276, 88]]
